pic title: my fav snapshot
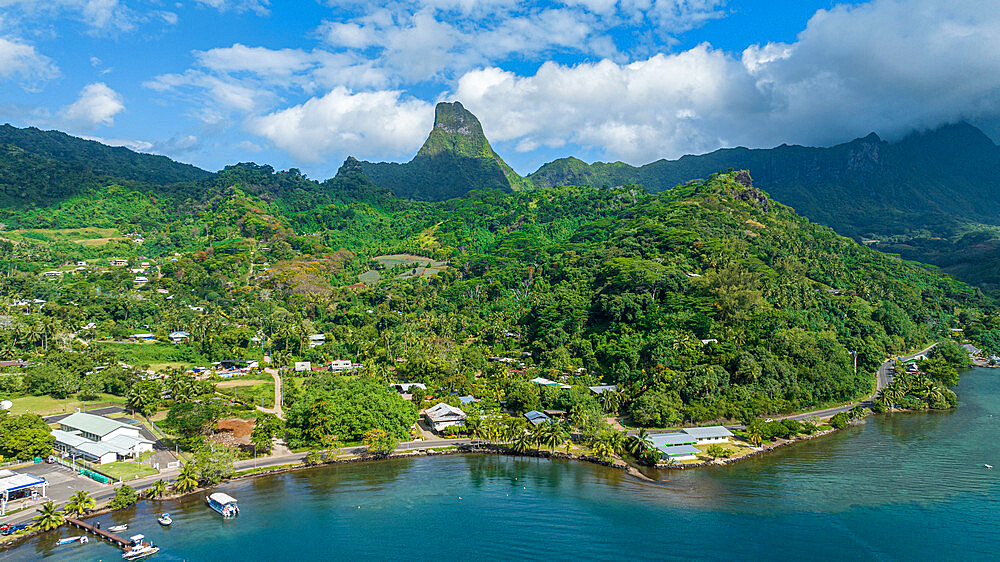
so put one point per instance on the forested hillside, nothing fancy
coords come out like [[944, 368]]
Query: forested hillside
[[710, 300], [923, 197], [43, 167]]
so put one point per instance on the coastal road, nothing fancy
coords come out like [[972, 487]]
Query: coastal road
[[883, 378]]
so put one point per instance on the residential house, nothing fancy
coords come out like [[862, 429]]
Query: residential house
[[99, 439], [678, 452], [599, 390], [711, 434], [81, 262], [535, 417], [179, 336], [143, 337], [140, 280], [53, 274], [118, 262], [442, 415], [467, 399], [340, 365], [316, 340]]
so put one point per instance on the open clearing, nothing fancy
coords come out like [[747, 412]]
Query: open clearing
[[89, 236], [45, 405], [420, 266]]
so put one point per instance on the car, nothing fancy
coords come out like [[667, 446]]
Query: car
[[769, 420]]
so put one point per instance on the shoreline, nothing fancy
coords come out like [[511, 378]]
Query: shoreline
[[8, 543]]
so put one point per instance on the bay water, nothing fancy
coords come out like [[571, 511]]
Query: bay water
[[909, 486]]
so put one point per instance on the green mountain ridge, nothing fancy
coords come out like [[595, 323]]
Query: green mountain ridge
[[930, 196], [42, 167], [455, 158]]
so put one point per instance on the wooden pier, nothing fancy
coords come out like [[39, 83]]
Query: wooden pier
[[110, 537]]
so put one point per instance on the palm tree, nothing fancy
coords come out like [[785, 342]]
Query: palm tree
[[640, 442], [522, 442], [553, 435], [159, 488], [611, 401], [187, 480], [602, 450], [49, 517], [80, 503], [755, 434]]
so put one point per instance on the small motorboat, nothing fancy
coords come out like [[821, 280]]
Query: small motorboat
[[989, 466], [165, 520], [139, 549], [118, 528], [224, 504], [71, 540]]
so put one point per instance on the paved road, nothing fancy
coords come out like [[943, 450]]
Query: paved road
[[883, 378]]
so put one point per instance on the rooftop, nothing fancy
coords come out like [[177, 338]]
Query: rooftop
[[442, 410], [661, 440], [20, 481], [678, 450], [708, 432], [89, 423], [604, 388]]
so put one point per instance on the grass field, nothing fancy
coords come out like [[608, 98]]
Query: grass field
[[46, 405], [125, 470], [258, 394], [85, 236], [181, 356]]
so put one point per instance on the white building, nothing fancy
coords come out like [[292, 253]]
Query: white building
[[710, 434], [317, 340], [442, 415], [99, 439], [15, 486]]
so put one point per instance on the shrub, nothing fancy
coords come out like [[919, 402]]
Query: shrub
[[124, 496]]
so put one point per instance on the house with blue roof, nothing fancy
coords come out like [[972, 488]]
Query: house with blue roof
[[535, 417]]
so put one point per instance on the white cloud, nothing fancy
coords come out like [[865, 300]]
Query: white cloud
[[132, 144], [18, 59], [259, 7], [97, 105], [378, 122], [890, 66]]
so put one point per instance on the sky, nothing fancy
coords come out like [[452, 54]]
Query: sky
[[306, 83]]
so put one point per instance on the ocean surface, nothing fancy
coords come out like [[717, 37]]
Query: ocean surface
[[898, 487]]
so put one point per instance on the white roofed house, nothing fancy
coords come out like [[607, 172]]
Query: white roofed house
[[316, 340], [442, 415], [711, 434], [99, 439]]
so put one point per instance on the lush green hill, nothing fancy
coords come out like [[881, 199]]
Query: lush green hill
[[41, 167], [455, 158], [918, 197]]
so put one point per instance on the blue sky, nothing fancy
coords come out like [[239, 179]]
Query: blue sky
[[307, 83]]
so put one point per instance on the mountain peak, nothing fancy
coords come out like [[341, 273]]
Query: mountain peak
[[453, 118]]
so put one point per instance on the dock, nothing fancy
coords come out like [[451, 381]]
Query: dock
[[110, 537]]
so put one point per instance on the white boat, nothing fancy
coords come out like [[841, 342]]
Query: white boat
[[118, 528], [70, 540], [989, 466], [165, 520], [139, 549], [223, 503]]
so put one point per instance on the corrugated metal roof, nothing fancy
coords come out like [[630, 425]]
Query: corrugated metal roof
[[709, 432], [667, 439], [679, 450], [89, 423], [535, 417]]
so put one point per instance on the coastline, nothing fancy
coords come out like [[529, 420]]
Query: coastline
[[7, 543]]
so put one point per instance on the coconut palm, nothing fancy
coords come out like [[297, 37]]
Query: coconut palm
[[602, 450], [187, 480], [159, 488], [49, 517], [522, 442], [640, 442], [611, 401], [755, 434], [80, 503]]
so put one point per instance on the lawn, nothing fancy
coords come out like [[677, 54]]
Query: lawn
[[126, 470], [258, 394], [186, 355], [86, 236], [46, 405]]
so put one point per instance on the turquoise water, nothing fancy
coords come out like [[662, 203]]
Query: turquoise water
[[900, 487]]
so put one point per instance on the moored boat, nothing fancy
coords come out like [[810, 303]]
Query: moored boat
[[139, 548], [223, 503], [165, 520], [70, 540], [118, 528]]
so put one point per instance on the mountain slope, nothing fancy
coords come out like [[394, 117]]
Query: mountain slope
[[455, 158], [852, 186], [905, 196], [40, 167]]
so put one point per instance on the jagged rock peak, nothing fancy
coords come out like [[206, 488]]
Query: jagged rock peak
[[350, 165], [453, 118]]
